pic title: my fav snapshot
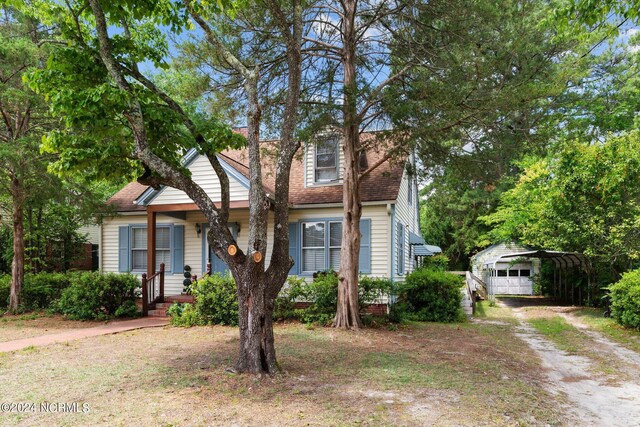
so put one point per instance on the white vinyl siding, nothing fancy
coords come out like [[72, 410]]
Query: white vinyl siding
[[204, 175], [406, 214]]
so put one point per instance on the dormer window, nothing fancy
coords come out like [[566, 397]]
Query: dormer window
[[326, 160]]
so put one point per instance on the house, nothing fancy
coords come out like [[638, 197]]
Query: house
[[391, 241], [503, 273]]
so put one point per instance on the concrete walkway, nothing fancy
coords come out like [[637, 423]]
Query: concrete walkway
[[76, 334]]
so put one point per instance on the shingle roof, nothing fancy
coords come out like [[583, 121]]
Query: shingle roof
[[381, 184], [123, 199]]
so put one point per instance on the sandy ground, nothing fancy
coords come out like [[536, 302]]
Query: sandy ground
[[595, 400]]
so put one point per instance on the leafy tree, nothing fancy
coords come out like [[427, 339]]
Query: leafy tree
[[480, 100], [24, 120], [118, 121], [584, 197]]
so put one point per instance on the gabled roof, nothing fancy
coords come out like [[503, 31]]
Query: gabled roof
[[381, 184]]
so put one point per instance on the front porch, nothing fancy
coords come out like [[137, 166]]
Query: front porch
[[187, 247]]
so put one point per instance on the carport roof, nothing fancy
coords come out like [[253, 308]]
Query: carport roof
[[560, 259]]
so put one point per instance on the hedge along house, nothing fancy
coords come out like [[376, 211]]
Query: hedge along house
[[164, 226], [503, 274]]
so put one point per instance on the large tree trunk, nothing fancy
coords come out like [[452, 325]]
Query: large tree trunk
[[17, 268], [347, 314], [257, 348]]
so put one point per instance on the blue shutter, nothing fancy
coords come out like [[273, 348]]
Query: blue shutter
[[294, 240], [177, 250], [123, 249], [365, 246], [400, 246]]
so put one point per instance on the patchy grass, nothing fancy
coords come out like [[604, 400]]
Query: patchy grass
[[422, 374], [594, 319], [574, 341], [486, 311], [564, 335], [15, 327]]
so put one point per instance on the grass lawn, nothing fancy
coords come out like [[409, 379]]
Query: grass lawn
[[15, 327], [457, 374], [594, 319]]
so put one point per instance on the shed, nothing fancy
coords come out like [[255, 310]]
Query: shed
[[505, 275]]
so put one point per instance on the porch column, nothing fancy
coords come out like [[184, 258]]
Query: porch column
[[151, 243]]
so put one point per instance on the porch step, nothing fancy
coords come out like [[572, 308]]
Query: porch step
[[158, 312]]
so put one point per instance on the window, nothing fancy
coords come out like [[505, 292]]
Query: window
[[139, 248], [513, 273], [525, 273], [326, 160], [318, 248], [313, 256], [400, 246], [335, 241], [502, 273]]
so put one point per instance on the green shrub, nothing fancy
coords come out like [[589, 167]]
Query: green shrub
[[625, 300], [184, 315], [99, 296], [216, 300], [39, 291], [216, 303], [429, 295], [322, 296], [5, 289], [438, 262]]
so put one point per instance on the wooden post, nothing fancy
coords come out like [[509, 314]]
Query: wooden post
[[209, 268], [145, 296], [151, 243], [161, 296]]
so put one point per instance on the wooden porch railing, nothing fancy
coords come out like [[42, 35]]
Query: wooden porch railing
[[152, 290]]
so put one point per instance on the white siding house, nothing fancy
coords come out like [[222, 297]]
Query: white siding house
[[389, 216]]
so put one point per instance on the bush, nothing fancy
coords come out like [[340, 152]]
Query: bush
[[216, 303], [428, 295], [438, 262], [39, 291], [625, 300], [322, 296], [184, 315], [99, 296]]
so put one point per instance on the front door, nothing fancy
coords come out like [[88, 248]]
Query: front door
[[217, 265]]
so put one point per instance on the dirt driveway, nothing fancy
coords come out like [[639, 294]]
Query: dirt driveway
[[600, 376]]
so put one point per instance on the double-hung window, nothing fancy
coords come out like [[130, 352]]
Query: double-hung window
[[326, 160], [313, 239], [139, 248]]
